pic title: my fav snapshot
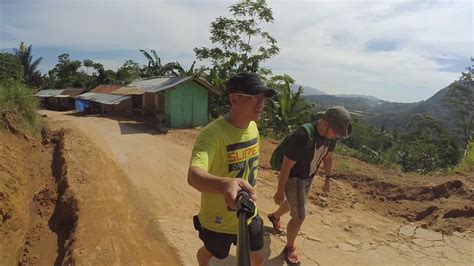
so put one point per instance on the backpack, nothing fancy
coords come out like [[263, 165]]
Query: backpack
[[280, 151]]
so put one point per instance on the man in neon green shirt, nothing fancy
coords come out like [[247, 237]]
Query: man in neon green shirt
[[224, 161]]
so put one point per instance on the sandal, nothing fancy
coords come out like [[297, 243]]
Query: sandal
[[290, 259], [275, 223]]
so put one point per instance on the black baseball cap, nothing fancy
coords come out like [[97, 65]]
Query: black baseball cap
[[248, 83]]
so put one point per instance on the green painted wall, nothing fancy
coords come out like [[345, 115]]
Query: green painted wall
[[186, 105]]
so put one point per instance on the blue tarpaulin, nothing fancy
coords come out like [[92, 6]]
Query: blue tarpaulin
[[83, 105]]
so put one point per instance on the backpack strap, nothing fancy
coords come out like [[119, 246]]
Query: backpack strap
[[309, 128]]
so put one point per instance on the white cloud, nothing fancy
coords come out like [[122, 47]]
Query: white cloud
[[330, 50], [324, 44]]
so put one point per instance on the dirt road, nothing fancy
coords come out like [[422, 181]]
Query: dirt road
[[154, 169]]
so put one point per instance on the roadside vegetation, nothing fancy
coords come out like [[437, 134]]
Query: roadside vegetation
[[17, 104], [467, 162], [18, 108]]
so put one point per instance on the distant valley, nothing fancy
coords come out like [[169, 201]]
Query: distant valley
[[389, 115]]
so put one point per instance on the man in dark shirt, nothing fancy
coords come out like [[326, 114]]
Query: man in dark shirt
[[299, 166]]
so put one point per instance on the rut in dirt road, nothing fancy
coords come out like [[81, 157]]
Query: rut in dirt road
[[53, 210], [65, 213]]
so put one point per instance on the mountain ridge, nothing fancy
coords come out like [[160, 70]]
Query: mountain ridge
[[385, 114]]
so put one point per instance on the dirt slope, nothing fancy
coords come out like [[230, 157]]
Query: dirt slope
[[348, 226]]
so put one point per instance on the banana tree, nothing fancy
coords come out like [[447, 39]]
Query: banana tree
[[287, 109], [156, 69]]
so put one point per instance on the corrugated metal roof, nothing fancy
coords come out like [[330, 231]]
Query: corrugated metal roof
[[207, 85], [106, 88], [161, 84], [48, 93], [151, 85], [72, 92], [129, 91], [103, 98]]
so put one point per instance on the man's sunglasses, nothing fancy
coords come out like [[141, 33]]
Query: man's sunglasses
[[255, 99]]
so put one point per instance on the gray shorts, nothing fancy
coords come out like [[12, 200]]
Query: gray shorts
[[297, 191]]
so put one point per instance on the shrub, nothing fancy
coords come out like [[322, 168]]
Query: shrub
[[17, 101]]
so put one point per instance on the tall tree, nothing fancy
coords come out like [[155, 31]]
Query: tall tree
[[66, 73], [88, 64], [240, 43], [460, 98], [129, 71], [156, 69], [32, 76]]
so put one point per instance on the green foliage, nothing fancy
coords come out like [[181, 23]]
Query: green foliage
[[460, 99], [240, 45], [10, 68], [156, 69], [98, 77], [31, 76], [68, 74], [88, 64], [104, 77], [365, 154], [17, 99], [426, 147], [365, 136], [369, 143], [192, 71], [286, 111], [467, 163], [65, 74], [128, 72]]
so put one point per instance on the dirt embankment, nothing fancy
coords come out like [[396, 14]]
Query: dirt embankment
[[444, 205], [38, 212]]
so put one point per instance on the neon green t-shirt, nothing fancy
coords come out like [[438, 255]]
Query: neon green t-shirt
[[224, 150]]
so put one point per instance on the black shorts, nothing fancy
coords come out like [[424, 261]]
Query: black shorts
[[219, 243]]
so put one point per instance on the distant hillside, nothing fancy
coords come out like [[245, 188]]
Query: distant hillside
[[308, 90], [361, 96], [397, 115], [390, 115], [354, 104]]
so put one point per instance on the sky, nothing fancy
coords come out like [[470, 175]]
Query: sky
[[399, 51]]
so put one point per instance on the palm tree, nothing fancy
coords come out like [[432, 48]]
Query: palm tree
[[31, 75], [155, 68]]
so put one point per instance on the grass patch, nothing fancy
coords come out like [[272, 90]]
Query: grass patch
[[467, 163], [346, 167], [387, 159], [18, 108]]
